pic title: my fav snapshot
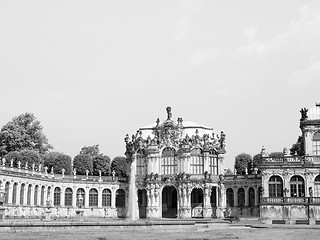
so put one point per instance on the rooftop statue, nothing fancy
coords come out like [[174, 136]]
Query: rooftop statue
[[304, 115], [169, 113]]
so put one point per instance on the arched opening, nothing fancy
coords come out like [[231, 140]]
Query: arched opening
[[42, 196], [35, 199], [317, 186], [197, 203], [230, 197], [241, 197], [297, 186], [57, 196], [213, 201], [169, 202], [81, 192], [106, 198], [7, 191], [120, 202], [251, 194], [29, 195], [275, 186], [68, 195], [93, 197], [14, 194], [22, 189], [141, 163], [196, 163], [142, 203]]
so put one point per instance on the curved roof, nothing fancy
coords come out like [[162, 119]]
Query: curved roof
[[314, 112]]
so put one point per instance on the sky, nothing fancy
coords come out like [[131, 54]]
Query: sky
[[93, 71]]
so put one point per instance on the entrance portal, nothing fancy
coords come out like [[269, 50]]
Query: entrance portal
[[169, 202], [142, 202], [197, 202]]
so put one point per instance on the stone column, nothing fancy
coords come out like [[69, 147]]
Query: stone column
[[25, 194], [207, 209], [220, 164], [256, 196], [74, 197], [206, 162], [18, 195], [99, 197], [63, 190], [235, 195], [246, 197], [86, 194], [32, 195], [113, 197]]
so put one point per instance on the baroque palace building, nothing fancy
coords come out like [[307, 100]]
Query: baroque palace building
[[177, 172]]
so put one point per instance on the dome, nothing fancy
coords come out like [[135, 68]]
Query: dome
[[314, 112]]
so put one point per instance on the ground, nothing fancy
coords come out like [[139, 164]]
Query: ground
[[142, 233]]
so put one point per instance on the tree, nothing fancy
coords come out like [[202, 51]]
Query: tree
[[257, 161], [30, 157], [242, 163], [102, 163], [58, 161], [119, 165], [23, 133], [14, 156], [83, 162], [228, 172], [93, 151]]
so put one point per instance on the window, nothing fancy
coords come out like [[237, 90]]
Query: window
[[316, 144], [241, 197], [106, 198], [68, 197], [7, 191], [169, 162], [29, 195], [93, 197], [275, 186], [42, 196], [297, 186], [141, 163], [14, 194], [81, 192], [120, 198], [35, 197], [213, 163], [317, 186], [56, 196], [251, 197], [22, 193], [196, 161], [230, 197]]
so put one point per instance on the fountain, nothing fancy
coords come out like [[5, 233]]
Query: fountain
[[132, 200]]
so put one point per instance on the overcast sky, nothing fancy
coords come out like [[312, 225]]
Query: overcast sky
[[93, 71]]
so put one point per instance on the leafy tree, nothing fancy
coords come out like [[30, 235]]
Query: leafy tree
[[83, 162], [58, 161], [12, 155], [228, 172], [30, 157], [93, 151], [119, 165], [23, 133], [243, 161], [257, 161], [298, 147], [102, 163]]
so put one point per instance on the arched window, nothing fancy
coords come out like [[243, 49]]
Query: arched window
[[56, 196], [14, 194], [317, 186], [42, 196], [35, 197], [93, 197], [316, 144], [81, 192], [141, 163], [169, 161], [241, 197], [196, 163], [297, 186], [275, 186], [251, 197], [29, 195], [22, 188], [230, 197], [120, 198], [106, 198], [68, 197], [7, 190]]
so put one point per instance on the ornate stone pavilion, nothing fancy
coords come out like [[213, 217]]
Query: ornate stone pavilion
[[178, 166], [291, 184]]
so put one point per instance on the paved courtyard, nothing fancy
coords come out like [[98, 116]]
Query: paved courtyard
[[93, 233]]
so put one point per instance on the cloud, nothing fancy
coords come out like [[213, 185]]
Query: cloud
[[199, 58], [188, 10], [301, 35], [305, 76]]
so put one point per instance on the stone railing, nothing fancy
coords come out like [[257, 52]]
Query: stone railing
[[290, 200], [292, 159]]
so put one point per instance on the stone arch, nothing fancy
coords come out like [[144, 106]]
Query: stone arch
[[230, 197], [93, 197], [241, 197], [15, 201], [275, 185], [169, 198], [297, 186], [106, 197], [142, 203], [197, 202]]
